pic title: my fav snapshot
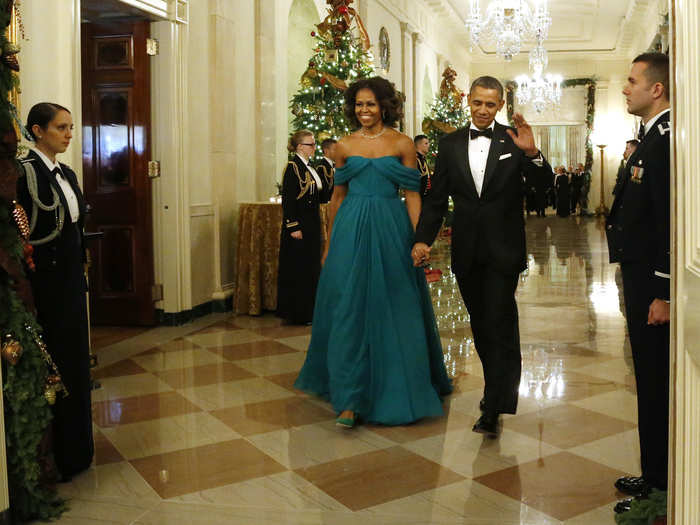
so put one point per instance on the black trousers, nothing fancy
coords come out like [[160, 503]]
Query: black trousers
[[650, 353], [490, 298]]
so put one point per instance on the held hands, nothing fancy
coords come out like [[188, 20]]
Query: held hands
[[525, 139], [420, 254], [297, 235], [659, 312]]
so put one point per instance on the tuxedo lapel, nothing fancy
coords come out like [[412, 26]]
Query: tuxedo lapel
[[462, 157], [497, 144]]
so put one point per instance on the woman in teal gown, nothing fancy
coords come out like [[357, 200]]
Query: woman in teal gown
[[375, 351]]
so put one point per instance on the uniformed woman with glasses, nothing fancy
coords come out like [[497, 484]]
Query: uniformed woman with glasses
[[303, 190]]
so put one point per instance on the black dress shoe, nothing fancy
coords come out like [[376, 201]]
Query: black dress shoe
[[623, 505], [632, 485], [487, 424]]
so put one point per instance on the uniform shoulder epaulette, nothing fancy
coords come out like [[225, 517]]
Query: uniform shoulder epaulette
[[664, 127], [24, 160], [295, 167]]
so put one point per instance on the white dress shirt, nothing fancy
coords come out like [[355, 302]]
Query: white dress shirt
[[66, 188], [478, 155], [652, 121], [312, 171]]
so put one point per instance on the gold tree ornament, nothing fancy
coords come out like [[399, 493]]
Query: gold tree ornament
[[11, 350]]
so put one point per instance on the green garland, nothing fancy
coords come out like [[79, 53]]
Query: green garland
[[26, 410], [644, 511], [591, 85]]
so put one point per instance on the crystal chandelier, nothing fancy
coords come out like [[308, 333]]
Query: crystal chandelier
[[541, 91], [508, 23]]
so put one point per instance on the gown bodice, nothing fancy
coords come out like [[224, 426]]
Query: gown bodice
[[376, 177]]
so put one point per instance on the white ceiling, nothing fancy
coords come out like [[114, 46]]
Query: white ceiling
[[611, 29]]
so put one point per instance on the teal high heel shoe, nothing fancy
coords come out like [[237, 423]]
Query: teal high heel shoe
[[346, 422]]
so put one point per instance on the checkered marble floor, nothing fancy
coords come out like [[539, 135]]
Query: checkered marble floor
[[200, 424]]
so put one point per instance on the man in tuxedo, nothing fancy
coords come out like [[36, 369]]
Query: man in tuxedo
[[639, 238], [482, 167]]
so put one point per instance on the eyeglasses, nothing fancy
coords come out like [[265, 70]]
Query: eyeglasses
[[308, 144]]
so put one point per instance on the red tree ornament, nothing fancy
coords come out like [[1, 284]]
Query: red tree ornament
[[343, 10], [313, 33], [323, 81]]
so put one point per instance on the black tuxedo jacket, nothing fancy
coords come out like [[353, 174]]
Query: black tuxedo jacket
[[53, 253], [639, 225], [488, 229]]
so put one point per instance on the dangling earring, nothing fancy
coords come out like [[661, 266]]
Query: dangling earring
[[383, 114]]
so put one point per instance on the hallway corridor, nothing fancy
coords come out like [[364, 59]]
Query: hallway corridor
[[199, 424]]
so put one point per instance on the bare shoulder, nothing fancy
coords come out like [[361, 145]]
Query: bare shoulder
[[403, 143]]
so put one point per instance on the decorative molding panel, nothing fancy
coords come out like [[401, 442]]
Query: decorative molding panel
[[201, 210]]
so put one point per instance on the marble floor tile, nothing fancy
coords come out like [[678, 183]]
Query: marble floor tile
[[563, 485], [155, 362], [205, 467], [203, 375], [227, 337], [621, 404], [120, 368], [431, 426], [125, 410], [87, 511], [366, 480], [263, 348], [168, 434], [566, 426], [273, 365], [318, 443], [281, 332], [286, 381], [233, 393], [620, 451], [113, 482], [298, 342], [471, 455], [288, 489], [174, 345], [268, 416], [105, 452], [250, 322], [128, 386]]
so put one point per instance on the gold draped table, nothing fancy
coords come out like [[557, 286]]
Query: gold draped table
[[257, 255]]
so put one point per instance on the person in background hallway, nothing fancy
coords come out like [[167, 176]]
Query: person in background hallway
[[326, 166], [576, 185], [303, 190], [59, 284], [422, 148], [639, 238], [585, 188], [482, 167], [561, 183], [375, 350], [630, 148]]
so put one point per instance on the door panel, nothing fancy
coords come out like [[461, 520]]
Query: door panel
[[116, 151]]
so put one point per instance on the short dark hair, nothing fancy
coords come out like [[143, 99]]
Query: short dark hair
[[389, 100], [657, 69], [418, 138], [41, 114], [327, 143], [633, 142], [487, 82]]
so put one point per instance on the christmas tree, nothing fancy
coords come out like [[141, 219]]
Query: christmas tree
[[28, 387], [339, 58], [446, 114]]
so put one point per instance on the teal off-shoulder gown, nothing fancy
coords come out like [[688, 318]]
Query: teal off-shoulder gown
[[375, 347]]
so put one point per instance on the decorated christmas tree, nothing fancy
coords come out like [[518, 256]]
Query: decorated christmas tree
[[447, 113], [29, 381], [340, 57]]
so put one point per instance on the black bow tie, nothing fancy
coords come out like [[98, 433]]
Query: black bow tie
[[474, 133], [642, 132]]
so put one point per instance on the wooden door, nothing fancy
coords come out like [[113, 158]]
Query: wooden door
[[116, 151]]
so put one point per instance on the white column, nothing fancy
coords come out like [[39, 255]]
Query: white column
[[50, 64], [407, 75], [416, 39], [684, 504]]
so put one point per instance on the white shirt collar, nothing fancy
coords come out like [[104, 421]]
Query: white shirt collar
[[652, 121], [492, 126], [306, 162], [329, 161], [51, 165]]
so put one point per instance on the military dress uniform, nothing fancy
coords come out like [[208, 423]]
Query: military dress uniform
[[425, 175], [326, 169], [59, 287], [303, 190], [638, 232]]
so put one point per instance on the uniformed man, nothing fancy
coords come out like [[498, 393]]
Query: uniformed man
[[630, 148], [422, 147], [638, 231], [326, 166]]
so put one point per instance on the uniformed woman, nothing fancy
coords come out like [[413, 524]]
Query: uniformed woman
[[49, 192], [303, 191]]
